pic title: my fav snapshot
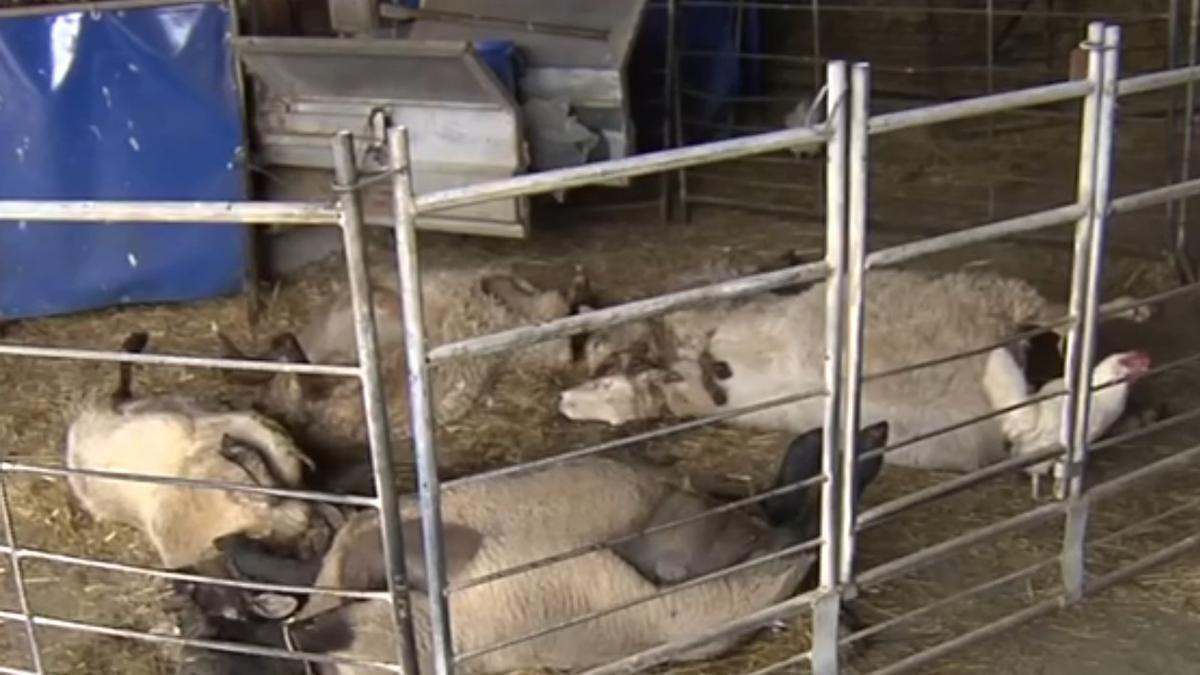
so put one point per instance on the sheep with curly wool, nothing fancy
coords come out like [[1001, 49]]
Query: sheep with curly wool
[[774, 346], [326, 413]]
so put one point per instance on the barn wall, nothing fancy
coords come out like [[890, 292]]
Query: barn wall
[[933, 180]]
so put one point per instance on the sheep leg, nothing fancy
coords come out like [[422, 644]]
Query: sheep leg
[[715, 392], [135, 343], [1035, 485], [229, 350]]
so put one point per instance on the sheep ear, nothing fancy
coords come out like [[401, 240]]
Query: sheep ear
[[460, 544], [801, 462], [273, 606], [873, 437], [286, 347], [329, 631]]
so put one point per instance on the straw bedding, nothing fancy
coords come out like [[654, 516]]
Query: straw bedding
[[517, 422]]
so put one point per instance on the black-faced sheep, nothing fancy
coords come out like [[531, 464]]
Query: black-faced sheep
[[518, 519]]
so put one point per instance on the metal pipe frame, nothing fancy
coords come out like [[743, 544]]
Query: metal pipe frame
[[421, 409], [1097, 130], [374, 394], [827, 607], [856, 267], [225, 213], [347, 215]]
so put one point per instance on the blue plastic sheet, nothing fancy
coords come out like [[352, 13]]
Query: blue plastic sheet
[[500, 56], [708, 81], [119, 104]]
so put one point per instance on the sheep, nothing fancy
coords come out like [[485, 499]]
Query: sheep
[[1036, 427], [680, 553], [182, 437], [326, 414], [514, 520], [774, 346], [681, 335]]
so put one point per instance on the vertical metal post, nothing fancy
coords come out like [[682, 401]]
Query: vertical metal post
[[739, 17], [814, 9], [419, 399], [991, 88], [856, 254], [1173, 105], [1183, 261], [673, 50], [252, 271], [668, 124], [374, 395], [18, 575], [1095, 186], [827, 605]]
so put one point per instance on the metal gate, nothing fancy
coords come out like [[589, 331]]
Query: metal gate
[[848, 134]]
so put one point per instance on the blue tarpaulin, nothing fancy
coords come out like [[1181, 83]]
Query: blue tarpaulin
[[118, 104], [711, 70]]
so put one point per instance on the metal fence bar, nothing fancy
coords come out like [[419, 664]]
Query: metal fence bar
[[630, 311], [855, 290], [735, 505], [929, 555], [1122, 483], [1028, 223], [42, 352], [629, 167], [420, 406], [1150, 428], [1140, 84], [977, 107], [663, 653], [48, 556], [941, 649], [374, 394], [224, 213], [1155, 196], [194, 483], [827, 608], [878, 514], [979, 589], [1159, 557], [230, 647], [18, 576], [633, 439], [794, 550], [1096, 151]]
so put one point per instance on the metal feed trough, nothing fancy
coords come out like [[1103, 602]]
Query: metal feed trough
[[464, 125], [418, 68], [574, 49]]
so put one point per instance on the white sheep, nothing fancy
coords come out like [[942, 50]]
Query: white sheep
[[327, 414], [511, 521], [774, 346], [187, 438]]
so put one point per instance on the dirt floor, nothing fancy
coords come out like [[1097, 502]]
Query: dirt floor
[[1141, 627]]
